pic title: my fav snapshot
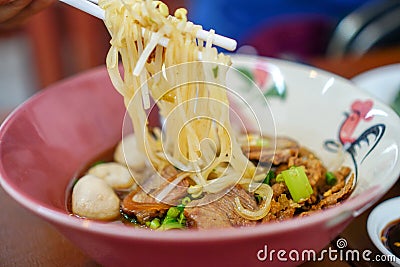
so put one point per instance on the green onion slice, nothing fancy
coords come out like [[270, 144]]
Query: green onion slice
[[330, 178]]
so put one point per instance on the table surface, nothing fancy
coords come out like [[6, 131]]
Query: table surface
[[26, 240]]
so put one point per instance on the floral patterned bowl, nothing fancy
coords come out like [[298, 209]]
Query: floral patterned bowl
[[51, 137]]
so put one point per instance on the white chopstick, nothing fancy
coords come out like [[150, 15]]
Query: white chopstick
[[91, 7], [87, 7]]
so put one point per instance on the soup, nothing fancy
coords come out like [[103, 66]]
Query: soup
[[197, 170], [179, 209], [391, 237]]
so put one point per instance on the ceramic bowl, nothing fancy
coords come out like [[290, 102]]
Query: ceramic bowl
[[383, 214], [51, 138], [382, 82]]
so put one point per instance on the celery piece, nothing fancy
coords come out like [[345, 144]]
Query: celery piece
[[297, 182]]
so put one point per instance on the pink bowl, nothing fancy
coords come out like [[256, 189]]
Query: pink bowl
[[48, 139]]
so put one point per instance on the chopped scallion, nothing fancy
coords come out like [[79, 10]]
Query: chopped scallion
[[180, 207], [155, 223], [175, 219], [182, 218], [258, 198], [186, 201], [173, 212], [269, 177], [171, 225], [330, 178]]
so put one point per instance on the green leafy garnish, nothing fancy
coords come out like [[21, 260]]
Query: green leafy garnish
[[269, 177], [180, 207], [330, 178], [173, 212], [186, 201], [258, 198], [155, 223], [175, 219], [182, 218]]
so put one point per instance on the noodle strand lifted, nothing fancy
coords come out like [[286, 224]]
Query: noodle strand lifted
[[199, 137]]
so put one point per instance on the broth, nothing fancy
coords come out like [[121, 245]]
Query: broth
[[106, 156]]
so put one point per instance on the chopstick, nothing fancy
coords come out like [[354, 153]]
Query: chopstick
[[91, 7]]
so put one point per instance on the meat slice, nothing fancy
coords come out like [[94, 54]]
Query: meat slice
[[285, 149], [333, 199], [281, 209], [341, 174], [145, 207], [173, 198], [220, 213], [143, 211], [270, 156], [279, 189]]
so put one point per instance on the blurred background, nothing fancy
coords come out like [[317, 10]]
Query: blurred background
[[62, 41]]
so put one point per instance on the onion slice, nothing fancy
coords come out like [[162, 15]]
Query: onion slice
[[266, 192]]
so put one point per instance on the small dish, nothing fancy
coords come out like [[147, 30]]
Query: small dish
[[386, 212], [382, 82]]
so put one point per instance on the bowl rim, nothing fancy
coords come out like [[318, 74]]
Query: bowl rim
[[343, 211], [349, 208]]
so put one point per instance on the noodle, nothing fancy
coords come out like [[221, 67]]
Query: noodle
[[136, 27]]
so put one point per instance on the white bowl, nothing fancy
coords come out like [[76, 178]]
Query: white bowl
[[382, 82], [378, 219]]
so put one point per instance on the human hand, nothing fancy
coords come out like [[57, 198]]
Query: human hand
[[14, 12]]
